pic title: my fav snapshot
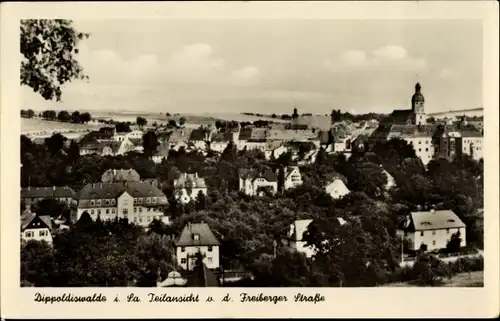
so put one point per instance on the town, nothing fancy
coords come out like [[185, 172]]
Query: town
[[336, 200]]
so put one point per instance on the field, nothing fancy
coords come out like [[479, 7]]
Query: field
[[39, 125], [459, 280], [43, 127]]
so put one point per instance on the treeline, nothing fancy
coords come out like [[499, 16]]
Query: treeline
[[338, 116], [63, 116]]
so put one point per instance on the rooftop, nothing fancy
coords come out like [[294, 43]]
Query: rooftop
[[205, 235], [432, 220]]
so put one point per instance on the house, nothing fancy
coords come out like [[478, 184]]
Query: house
[[274, 149], [32, 195], [197, 238], [179, 138], [120, 175], [139, 202], [291, 177], [199, 138], [254, 183], [188, 186], [336, 188], [161, 152], [36, 228], [432, 228], [294, 240], [221, 140]]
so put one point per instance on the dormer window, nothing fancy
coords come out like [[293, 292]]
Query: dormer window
[[107, 202], [154, 200], [148, 200], [92, 202], [196, 237], [98, 202], [113, 202], [451, 221], [140, 200]]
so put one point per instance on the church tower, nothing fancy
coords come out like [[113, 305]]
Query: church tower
[[417, 106]]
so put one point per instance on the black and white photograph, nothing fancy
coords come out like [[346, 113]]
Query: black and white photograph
[[251, 153]]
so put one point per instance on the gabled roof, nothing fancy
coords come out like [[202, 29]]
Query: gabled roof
[[114, 175], [28, 217], [401, 116], [432, 220], [193, 179], [162, 150], [206, 236], [47, 192], [136, 141], [223, 137], [253, 175]]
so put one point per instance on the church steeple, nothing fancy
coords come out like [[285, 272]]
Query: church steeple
[[417, 106]]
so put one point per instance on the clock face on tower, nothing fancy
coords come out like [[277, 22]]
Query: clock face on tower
[[419, 107]]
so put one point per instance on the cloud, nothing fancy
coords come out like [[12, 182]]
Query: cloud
[[388, 57], [447, 73]]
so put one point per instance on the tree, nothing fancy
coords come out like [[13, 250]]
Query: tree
[[453, 246], [73, 152], [49, 47], [37, 263], [150, 143], [75, 117], [64, 116], [122, 127], [49, 114], [182, 121], [55, 143], [172, 124], [141, 121], [50, 207], [85, 117], [27, 113], [295, 113]]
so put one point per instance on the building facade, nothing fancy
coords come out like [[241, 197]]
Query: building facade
[[139, 202], [36, 228], [197, 238], [433, 229], [255, 184], [32, 195], [188, 186]]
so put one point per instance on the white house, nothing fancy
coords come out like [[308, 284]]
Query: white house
[[294, 239], [391, 182], [36, 228], [188, 186], [197, 238], [433, 228], [336, 188], [252, 183], [291, 177], [275, 151]]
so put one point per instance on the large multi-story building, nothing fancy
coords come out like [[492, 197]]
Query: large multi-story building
[[139, 202], [31, 195]]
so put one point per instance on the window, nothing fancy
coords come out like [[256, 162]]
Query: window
[[209, 260], [183, 249], [183, 261], [92, 203], [107, 211], [135, 200], [419, 142], [420, 149], [98, 202], [140, 200], [113, 210], [140, 219], [140, 209], [135, 209], [28, 234], [433, 232], [427, 149], [422, 233], [125, 211], [107, 202], [41, 233], [209, 249], [196, 237], [433, 242], [148, 200], [113, 202], [92, 212], [98, 212], [447, 231], [154, 200]]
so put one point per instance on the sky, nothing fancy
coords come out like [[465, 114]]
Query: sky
[[271, 66]]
